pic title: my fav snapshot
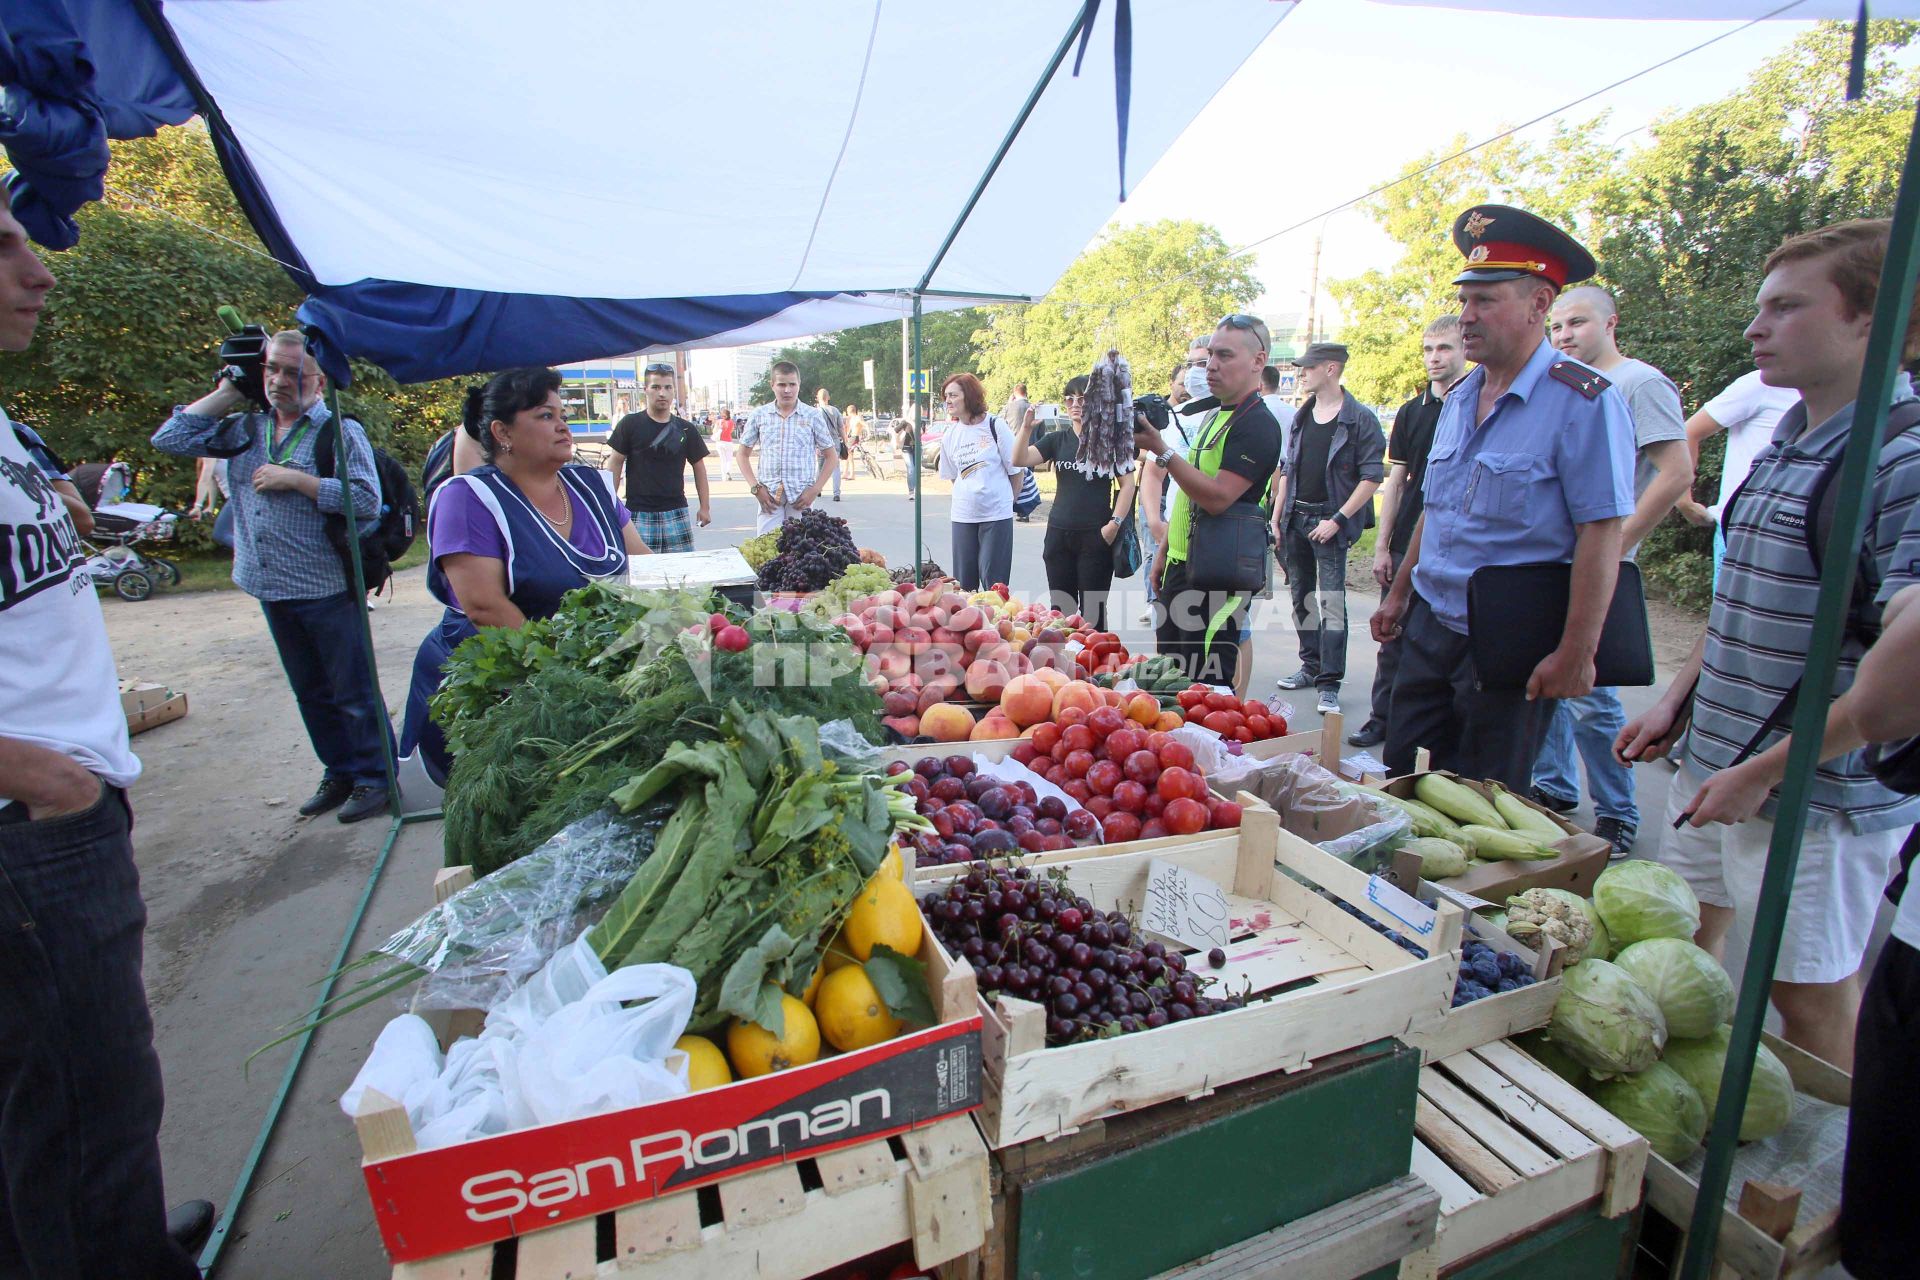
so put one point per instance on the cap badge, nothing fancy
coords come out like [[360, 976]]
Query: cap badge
[[1479, 254], [1477, 224]]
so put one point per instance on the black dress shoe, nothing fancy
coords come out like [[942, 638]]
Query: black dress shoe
[[1559, 804], [1370, 734], [365, 802], [191, 1225], [331, 794]]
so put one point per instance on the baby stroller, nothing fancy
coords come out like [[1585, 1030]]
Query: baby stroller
[[114, 557]]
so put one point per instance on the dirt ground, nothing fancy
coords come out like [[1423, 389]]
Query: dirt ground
[[247, 902]]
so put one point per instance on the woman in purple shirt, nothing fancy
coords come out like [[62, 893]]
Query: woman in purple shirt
[[509, 539]]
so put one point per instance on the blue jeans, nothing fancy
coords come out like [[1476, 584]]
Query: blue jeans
[[80, 1091], [1148, 550], [1590, 724], [325, 657]]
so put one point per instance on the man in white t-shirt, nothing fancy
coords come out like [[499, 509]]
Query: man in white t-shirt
[[1584, 324], [1747, 410], [80, 1088]]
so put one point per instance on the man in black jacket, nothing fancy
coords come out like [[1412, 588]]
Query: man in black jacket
[[1324, 501]]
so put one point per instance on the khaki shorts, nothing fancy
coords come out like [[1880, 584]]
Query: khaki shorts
[[1836, 888]]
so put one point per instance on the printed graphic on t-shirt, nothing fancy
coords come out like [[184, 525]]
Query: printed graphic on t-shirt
[[40, 548]]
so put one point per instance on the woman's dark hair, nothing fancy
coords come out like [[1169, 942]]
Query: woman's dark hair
[[1075, 386], [506, 393]]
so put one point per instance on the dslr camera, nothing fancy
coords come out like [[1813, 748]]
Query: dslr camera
[[1156, 409]]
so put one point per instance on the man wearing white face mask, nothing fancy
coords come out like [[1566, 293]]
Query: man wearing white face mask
[[1189, 415]]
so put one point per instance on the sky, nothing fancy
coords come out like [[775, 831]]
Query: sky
[[1345, 92]]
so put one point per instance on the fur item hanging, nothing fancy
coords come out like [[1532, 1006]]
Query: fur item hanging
[[1106, 437]]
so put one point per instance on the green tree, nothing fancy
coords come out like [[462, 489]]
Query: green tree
[[1385, 309], [1146, 290], [131, 328], [835, 361]]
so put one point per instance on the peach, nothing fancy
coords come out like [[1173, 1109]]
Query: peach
[[1054, 677], [905, 726], [1143, 708], [986, 681], [945, 722], [935, 692], [1027, 699], [1076, 693], [993, 726], [966, 618], [1168, 721]]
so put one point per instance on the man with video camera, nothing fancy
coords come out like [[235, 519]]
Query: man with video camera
[[283, 557]]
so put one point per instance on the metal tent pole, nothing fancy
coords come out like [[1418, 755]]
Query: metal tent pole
[[1891, 312], [919, 429]]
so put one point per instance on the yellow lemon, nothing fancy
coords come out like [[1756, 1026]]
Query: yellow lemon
[[755, 1051], [813, 984], [852, 1015], [885, 912], [838, 953], [891, 866], [706, 1065]]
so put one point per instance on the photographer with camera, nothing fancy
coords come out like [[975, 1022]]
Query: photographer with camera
[[1219, 490], [282, 555]]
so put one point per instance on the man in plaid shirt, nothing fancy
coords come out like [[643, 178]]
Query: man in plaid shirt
[[797, 451], [282, 557]]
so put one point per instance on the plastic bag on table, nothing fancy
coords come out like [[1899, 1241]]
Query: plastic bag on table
[[841, 742], [1343, 820], [486, 940]]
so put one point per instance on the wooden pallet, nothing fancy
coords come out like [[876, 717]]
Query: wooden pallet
[[1511, 1147], [1764, 1240], [1334, 984], [927, 1187]]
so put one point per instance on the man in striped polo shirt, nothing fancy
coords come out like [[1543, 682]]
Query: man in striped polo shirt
[[1815, 312]]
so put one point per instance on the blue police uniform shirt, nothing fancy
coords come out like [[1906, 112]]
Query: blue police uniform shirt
[[1515, 488]]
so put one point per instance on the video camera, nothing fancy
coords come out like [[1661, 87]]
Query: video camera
[[243, 357]]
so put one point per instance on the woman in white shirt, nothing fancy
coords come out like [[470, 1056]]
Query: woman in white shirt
[[976, 454]]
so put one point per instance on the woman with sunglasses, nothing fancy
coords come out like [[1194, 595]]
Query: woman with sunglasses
[[510, 538], [1087, 515]]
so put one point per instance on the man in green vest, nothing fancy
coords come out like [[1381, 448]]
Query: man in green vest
[[1231, 461]]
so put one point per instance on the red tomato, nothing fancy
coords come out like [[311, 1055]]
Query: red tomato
[[1223, 814], [1184, 816], [1242, 734], [1100, 806], [1143, 767], [1218, 701], [1221, 722], [1045, 734], [1131, 796], [1261, 726], [1105, 721], [1176, 782], [1079, 737], [1122, 743], [1077, 764], [1153, 829], [1175, 754], [1188, 698], [1104, 776], [1120, 827]]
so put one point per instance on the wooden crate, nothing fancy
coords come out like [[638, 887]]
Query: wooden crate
[[1583, 856], [927, 1187], [926, 1183], [1497, 1016], [1512, 1148], [1097, 1203], [1340, 984], [1765, 1240]]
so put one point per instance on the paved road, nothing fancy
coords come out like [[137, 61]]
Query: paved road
[[247, 902]]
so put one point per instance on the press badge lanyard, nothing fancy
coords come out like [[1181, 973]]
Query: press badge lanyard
[[279, 453]]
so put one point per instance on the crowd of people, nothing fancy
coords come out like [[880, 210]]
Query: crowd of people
[[1535, 453]]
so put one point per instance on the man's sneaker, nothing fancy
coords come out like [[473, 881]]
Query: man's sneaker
[[1617, 834], [1329, 702], [331, 794], [1559, 804], [1298, 680], [1370, 734], [365, 802]]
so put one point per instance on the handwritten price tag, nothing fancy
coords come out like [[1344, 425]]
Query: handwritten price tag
[[1415, 916], [1186, 907]]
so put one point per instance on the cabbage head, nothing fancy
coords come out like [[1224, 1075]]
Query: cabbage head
[[1640, 900], [1606, 1021], [1661, 1106], [1769, 1099], [1601, 948], [1694, 993]]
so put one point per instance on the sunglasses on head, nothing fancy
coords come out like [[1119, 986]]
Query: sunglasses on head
[[660, 368]]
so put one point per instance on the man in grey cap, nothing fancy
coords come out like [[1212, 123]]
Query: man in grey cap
[[1323, 500]]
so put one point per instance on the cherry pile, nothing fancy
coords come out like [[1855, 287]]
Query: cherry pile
[[1027, 935], [975, 816]]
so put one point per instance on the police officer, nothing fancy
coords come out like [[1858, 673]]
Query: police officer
[[1532, 462]]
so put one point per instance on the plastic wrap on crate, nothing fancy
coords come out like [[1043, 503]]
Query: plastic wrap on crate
[[1315, 805]]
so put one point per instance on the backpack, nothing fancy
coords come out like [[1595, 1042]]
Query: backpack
[[392, 531], [438, 468]]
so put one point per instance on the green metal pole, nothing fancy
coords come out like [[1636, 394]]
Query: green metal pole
[[919, 429], [1891, 312]]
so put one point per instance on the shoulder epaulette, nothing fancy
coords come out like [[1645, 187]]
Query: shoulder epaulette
[[1582, 379]]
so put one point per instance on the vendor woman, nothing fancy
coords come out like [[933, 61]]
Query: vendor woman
[[510, 538]]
